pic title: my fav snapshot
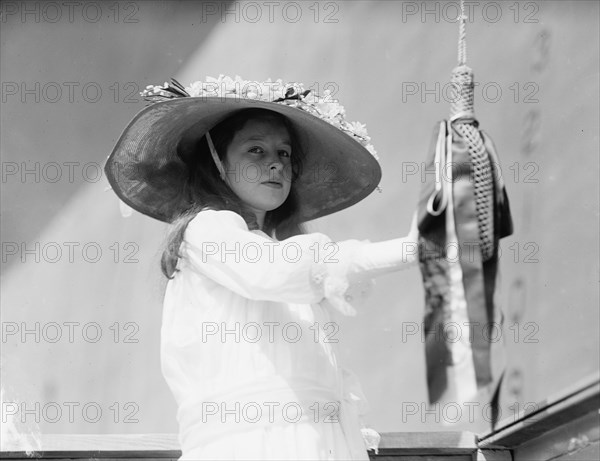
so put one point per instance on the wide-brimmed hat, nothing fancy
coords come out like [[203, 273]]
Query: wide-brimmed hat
[[340, 166]]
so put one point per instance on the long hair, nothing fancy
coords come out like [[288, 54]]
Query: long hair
[[204, 189]]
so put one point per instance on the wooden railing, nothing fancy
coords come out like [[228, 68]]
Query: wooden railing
[[457, 446], [565, 426]]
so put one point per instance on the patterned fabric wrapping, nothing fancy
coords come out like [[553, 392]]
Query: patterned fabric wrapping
[[463, 212]]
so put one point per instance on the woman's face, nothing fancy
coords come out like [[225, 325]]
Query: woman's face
[[258, 165]]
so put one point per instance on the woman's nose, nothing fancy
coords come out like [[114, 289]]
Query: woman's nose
[[275, 169], [273, 162]]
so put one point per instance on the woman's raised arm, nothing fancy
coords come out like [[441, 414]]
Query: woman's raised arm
[[301, 269]]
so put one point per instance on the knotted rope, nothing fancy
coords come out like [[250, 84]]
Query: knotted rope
[[462, 116]]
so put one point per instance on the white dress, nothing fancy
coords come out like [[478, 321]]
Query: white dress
[[247, 341]]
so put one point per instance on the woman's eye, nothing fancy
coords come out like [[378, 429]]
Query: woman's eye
[[285, 153], [255, 150]]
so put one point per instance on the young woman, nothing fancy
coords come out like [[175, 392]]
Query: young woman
[[248, 337]]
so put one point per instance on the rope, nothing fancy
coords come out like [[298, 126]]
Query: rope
[[462, 76], [462, 36], [462, 116]]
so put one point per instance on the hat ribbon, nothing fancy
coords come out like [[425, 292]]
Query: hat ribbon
[[215, 157]]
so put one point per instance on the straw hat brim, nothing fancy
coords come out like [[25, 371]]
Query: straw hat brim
[[146, 173]]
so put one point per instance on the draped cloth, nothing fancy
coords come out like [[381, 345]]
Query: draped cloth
[[463, 212]]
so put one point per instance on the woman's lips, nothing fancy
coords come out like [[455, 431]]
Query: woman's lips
[[275, 185]]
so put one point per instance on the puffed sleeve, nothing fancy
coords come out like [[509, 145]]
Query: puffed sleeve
[[307, 268]]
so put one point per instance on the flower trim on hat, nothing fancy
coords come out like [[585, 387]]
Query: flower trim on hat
[[290, 94]]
